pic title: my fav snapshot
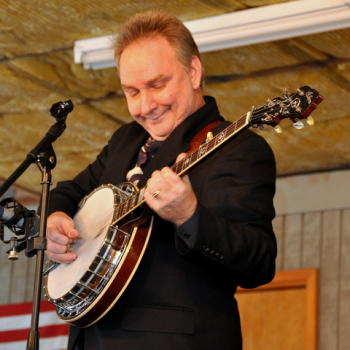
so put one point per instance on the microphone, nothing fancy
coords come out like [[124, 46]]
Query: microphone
[[15, 216], [61, 109]]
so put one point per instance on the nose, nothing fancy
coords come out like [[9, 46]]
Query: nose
[[147, 103]]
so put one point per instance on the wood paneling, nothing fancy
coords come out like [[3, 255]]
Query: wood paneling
[[329, 294], [311, 240], [321, 240], [5, 275], [17, 278], [292, 241], [278, 226], [318, 240], [344, 283]]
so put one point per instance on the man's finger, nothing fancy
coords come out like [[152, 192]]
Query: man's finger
[[62, 258], [180, 157], [56, 248], [58, 237], [68, 228]]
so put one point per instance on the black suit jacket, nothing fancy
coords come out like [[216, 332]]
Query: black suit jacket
[[181, 296]]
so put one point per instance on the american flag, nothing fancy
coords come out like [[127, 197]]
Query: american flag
[[15, 326]]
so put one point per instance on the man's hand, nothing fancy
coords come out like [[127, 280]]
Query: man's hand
[[171, 196], [60, 234]]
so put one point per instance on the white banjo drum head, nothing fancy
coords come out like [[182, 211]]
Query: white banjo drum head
[[92, 221]]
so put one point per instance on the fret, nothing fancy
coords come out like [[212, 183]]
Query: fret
[[220, 137], [233, 127], [195, 155], [180, 167], [240, 122], [236, 126], [210, 144], [176, 167], [187, 161], [202, 149]]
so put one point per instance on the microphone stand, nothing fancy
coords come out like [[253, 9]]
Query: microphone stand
[[37, 245], [43, 154]]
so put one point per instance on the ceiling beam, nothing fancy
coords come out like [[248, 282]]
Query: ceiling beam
[[240, 28]]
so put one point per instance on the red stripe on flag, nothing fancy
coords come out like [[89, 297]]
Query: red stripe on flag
[[44, 332], [54, 330], [24, 308]]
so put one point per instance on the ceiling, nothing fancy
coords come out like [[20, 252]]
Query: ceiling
[[37, 70]]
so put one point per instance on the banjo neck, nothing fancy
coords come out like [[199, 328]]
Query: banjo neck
[[295, 106], [182, 166]]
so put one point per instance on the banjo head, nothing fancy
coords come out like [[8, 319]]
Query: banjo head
[[92, 221]]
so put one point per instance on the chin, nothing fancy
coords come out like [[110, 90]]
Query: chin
[[160, 134], [159, 137]]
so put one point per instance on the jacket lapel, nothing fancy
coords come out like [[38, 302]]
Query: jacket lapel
[[124, 154]]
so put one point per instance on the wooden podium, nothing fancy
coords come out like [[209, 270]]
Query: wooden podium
[[281, 314]]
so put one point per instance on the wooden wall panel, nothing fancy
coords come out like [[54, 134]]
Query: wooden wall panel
[[344, 292], [329, 292], [29, 285], [18, 284], [17, 277], [292, 242], [278, 226], [310, 248], [323, 239], [5, 275]]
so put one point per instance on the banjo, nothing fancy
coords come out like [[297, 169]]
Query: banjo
[[112, 241]]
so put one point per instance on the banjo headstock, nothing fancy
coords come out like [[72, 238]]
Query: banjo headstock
[[295, 106]]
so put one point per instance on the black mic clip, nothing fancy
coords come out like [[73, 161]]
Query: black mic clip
[[21, 218], [22, 222]]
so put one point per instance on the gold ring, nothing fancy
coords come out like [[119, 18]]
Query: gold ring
[[155, 194]]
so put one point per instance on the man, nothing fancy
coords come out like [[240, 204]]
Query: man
[[212, 230]]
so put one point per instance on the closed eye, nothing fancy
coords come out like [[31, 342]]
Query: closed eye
[[130, 91], [158, 86], [159, 83]]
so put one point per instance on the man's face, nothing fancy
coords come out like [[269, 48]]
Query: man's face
[[159, 91]]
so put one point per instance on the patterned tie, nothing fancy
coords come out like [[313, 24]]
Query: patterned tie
[[134, 175]]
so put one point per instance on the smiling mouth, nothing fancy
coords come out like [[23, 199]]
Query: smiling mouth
[[156, 117]]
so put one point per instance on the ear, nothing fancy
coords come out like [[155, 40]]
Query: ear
[[196, 72]]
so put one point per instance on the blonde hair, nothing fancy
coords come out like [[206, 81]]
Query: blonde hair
[[153, 23]]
